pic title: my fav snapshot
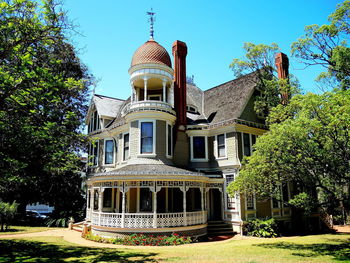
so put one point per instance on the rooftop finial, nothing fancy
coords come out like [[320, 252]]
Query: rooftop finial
[[151, 20]]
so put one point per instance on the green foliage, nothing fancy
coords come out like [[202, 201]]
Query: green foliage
[[150, 240], [260, 59], [303, 201], [308, 145], [7, 214], [143, 240], [327, 46], [58, 222], [260, 228], [43, 97]]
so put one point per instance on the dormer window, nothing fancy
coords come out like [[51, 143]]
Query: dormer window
[[191, 109], [94, 123]]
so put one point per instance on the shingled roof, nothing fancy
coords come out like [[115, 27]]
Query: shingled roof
[[107, 106], [228, 100], [149, 169]]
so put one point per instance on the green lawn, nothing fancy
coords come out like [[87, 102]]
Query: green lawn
[[316, 248], [23, 230]]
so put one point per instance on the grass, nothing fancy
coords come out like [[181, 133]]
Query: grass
[[23, 230], [316, 248]]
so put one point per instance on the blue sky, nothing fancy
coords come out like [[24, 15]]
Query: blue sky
[[214, 32]]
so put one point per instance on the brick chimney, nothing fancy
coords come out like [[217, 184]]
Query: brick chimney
[[179, 53], [282, 65]]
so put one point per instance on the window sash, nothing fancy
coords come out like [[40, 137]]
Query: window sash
[[246, 144], [109, 151], [198, 147], [170, 150], [126, 146], [221, 145], [250, 202], [146, 137]]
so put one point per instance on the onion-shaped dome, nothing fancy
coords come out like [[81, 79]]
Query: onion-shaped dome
[[151, 52]]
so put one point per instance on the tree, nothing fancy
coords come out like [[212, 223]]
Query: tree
[[308, 145], [7, 214], [327, 46], [261, 60], [43, 98]]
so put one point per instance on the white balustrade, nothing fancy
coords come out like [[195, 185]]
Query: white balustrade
[[148, 105], [145, 220]]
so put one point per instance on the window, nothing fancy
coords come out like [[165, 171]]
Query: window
[[96, 194], [221, 148], [94, 123], [231, 201], [109, 151], [199, 147], [250, 202], [146, 137], [145, 200], [169, 140], [154, 97], [88, 197], [107, 197], [246, 144], [93, 153], [126, 147]]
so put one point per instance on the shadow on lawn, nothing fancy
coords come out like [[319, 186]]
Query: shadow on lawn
[[32, 251], [339, 249]]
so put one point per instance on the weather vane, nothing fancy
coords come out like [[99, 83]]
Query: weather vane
[[151, 20]]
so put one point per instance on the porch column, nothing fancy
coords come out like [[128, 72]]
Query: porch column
[[155, 190], [100, 203], [132, 92], [207, 201], [184, 190], [123, 190], [171, 95], [145, 88], [92, 193], [222, 204], [164, 90]]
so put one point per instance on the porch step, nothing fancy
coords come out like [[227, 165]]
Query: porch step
[[219, 228]]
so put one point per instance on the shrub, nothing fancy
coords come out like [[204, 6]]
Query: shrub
[[260, 228], [7, 214], [143, 240], [151, 240]]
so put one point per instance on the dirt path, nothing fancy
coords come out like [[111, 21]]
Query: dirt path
[[68, 235], [342, 229], [75, 237]]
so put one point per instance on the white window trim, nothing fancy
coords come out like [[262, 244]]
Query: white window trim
[[125, 159], [254, 203], [153, 96], [167, 144], [153, 154], [234, 209], [217, 147], [206, 149], [104, 152]]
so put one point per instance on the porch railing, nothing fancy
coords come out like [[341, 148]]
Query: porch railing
[[145, 220]]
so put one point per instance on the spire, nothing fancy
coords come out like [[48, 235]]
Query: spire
[[151, 20]]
